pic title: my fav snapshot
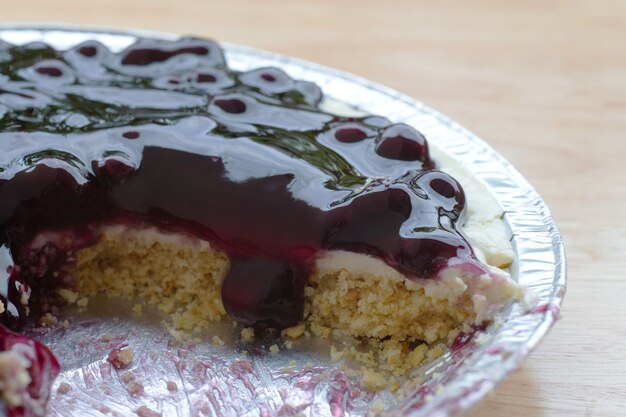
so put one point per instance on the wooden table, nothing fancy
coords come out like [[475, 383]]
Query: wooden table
[[543, 81]]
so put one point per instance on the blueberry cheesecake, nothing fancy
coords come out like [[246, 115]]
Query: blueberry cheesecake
[[160, 174]]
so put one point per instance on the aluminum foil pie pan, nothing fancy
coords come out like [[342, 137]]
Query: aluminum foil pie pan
[[237, 379]]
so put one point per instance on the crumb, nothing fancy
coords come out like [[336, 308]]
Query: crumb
[[176, 334], [66, 324], [274, 349], [24, 297], [64, 388], [335, 354], [295, 331], [171, 386], [217, 341], [137, 308], [144, 411], [417, 355], [373, 380], [82, 302], [107, 337], [435, 352], [247, 334], [127, 377], [135, 388], [105, 388], [292, 362], [48, 319], [376, 409], [289, 344], [68, 295], [2, 307], [121, 358]]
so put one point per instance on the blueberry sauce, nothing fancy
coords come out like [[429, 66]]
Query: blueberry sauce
[[165, 134]]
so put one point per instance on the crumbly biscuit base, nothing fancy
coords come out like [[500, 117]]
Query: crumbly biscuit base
[[350, 296], [179, 275]]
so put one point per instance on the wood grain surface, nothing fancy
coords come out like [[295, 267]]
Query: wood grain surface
[[543, 81]]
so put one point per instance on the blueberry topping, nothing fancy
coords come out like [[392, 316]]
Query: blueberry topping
[[49, 71], [273, 295], [142, 56], [131, 134], [402, 142], [233, 105], [268, 77], [114, 171], [205, 78], [350, 134], [88, 51], [444, 189]]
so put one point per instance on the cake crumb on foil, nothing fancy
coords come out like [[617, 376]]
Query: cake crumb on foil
[[121, 358], [48, 320], [68, 295], [135, 388], [374, 380], [64, 388], [295, 331], [216, 340], [144, 411], [171, 386], [247, 334]]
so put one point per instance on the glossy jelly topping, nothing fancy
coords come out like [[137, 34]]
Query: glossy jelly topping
[[165, 134]]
